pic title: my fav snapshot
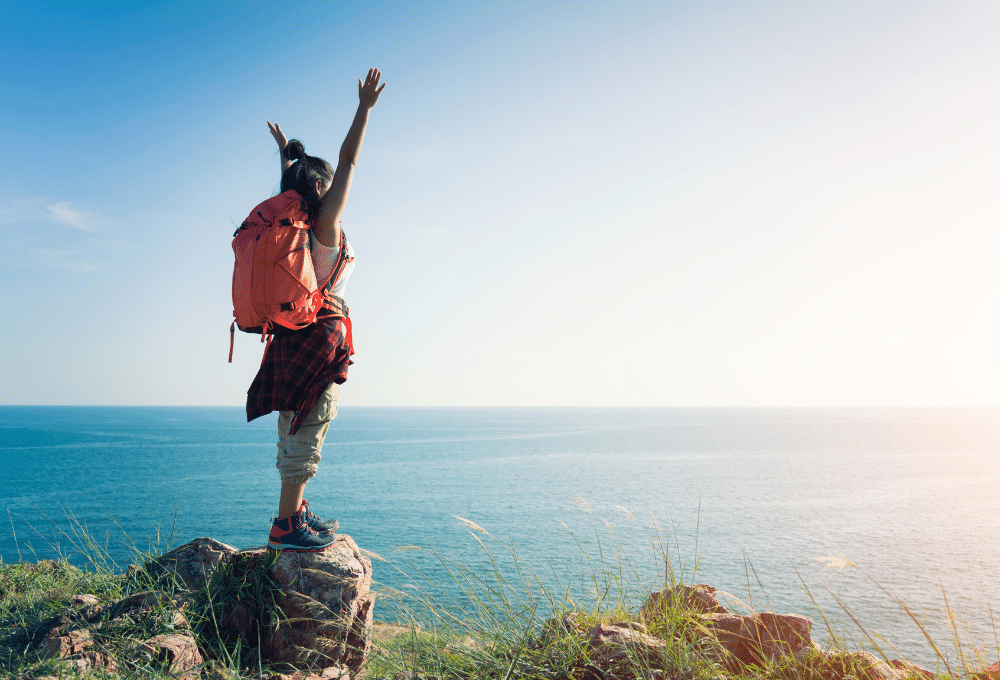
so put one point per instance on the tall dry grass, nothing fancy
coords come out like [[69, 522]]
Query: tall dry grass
[[498, 616]]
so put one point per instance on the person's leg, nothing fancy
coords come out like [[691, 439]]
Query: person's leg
[[291, 498], [297, 462], [299, 454]]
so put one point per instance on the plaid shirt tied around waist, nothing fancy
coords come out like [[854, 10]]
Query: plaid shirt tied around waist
[[297, 368]]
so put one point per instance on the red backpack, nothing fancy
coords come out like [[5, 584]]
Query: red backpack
[[274, 283]]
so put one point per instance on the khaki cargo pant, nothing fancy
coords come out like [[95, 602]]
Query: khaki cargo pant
[[299, 454]]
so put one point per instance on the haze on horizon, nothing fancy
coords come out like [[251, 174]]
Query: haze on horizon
[[566, 204]]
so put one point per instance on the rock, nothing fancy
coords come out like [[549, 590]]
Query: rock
[[139, 602], [559, 626], [633, 625], [87, 662], [239, 617], [759, 638], [75, 647], [52, 627], [327, 605], [61, 646], [623, 649], [335, 673], [180, 651], [193, 562], [145, 604], [910, 669], [700, 598], [359, 636], [784, 634], [63, 636], [991, 673], [43, 566], [85, 600], [866, 666], [84, 607]]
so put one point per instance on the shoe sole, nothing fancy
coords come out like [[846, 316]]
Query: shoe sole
[[293, 548]]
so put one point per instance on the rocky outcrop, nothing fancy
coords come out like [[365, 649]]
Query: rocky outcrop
[[322, 600], [841, 665], [744, 638], [70, 636], [194, 562], [327, 607], [324, 605], [757, 639]]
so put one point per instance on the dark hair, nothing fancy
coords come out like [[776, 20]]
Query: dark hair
[[303, 173]]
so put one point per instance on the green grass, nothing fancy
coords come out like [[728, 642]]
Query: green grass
[[502, 621]]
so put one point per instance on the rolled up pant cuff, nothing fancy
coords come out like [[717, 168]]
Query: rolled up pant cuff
[[299, 454]]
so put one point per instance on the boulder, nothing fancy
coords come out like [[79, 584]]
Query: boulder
[[699, 598], [862, 666], [193, 562], [146, 603], [180, 651], [82, 609], [991, 673], [327, 607], [62, 646], [625, 650], [760, 638], [556, 627], [76, 647]]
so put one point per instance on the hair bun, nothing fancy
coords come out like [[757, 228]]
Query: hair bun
[[295, 150]]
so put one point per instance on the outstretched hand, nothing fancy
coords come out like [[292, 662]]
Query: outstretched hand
[[278, 135], [368, 92]]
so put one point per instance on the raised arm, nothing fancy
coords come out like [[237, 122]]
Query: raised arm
[[282, 142], [327, 226]]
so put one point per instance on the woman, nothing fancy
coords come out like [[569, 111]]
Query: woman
[[301, 369]]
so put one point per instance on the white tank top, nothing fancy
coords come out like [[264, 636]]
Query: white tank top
[[324, 260]]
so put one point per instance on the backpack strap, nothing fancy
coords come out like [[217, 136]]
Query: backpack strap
[[338, 268], [350, 334], [333, 305]]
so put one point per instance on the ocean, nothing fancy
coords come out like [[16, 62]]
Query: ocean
[[779, 507]]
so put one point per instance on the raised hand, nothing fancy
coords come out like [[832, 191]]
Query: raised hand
[[368, 92], [278, 135]]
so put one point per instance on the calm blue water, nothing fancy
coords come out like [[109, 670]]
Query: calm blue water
[[761, 495]]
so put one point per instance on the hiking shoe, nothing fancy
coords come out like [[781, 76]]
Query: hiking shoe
[[323, 527], [292, 534]]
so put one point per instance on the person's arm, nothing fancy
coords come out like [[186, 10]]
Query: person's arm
[[282, 142], [327, 226]]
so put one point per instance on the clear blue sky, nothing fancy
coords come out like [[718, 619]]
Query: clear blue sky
[[642, 203]]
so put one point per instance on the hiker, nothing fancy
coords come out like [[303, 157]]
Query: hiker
[[302, 368]]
